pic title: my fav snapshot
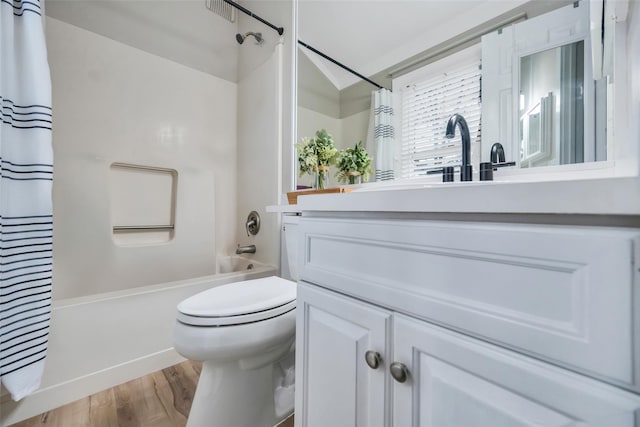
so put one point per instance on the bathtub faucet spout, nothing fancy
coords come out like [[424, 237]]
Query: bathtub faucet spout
[[250, 249]]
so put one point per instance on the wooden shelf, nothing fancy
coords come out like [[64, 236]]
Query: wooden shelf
[[292, 196]]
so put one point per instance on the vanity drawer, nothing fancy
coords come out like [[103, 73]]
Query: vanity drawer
[[559, 293]]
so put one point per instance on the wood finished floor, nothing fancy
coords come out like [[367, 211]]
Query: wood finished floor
[[160, 399]]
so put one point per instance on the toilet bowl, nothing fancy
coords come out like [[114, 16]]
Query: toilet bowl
[[243, 332]]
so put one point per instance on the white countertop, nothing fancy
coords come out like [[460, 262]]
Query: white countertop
[[610, 196], [292, 209]]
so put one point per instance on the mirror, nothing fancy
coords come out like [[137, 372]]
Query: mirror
[[551, 107], [545, 85]]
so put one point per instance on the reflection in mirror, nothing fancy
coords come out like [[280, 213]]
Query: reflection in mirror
[[551, 105], [536, 92]]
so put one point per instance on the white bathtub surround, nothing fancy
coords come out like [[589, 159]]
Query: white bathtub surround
[[259, 154], [266, 117], [231, 264], [115, 103], [92, 349], [26, 172]]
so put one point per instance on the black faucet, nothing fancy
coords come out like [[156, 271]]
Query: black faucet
[[498, 157], [466, 169], [497, 153], [497, 161]]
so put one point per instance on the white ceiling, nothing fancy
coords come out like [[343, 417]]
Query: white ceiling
[[373, 35]]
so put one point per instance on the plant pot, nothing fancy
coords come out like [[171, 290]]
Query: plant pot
[[354, 177], [321, 177]]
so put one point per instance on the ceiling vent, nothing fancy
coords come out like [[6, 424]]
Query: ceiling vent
[[222, 8]]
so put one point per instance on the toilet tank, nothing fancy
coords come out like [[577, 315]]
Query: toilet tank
[[289, 248]]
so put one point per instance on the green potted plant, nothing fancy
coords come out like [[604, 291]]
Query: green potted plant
[[354, 165], [315, 155]]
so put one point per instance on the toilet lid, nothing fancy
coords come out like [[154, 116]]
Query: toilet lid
[[239, 302]]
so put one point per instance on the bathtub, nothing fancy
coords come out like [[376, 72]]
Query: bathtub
[[99, 341], [236, 264]]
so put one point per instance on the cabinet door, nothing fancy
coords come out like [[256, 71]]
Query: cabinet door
[[455, 380], [334, 384]]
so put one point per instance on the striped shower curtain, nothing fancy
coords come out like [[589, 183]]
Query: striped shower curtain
[[26, 174], [380, 139]]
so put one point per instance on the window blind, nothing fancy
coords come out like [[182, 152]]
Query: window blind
[[426, 106]]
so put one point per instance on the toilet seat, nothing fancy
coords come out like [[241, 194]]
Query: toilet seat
[[239, 303]]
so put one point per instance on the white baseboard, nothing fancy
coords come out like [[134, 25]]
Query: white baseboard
[[58, 395]]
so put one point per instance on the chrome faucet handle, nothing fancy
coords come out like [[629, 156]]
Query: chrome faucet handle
[[249, 249], [253, 223]]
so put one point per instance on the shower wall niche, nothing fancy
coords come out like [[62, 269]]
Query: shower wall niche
[[143, 204]]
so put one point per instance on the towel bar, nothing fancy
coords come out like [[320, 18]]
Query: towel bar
[[142, 227]]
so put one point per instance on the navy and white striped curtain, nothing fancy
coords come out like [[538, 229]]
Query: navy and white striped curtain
[[26, 177], [381, 134]]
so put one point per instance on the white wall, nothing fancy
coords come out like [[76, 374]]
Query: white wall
[[309, 122], [346, 133], [315, 91], [354, 129], [115, 103], [265, 123], [177, 30]]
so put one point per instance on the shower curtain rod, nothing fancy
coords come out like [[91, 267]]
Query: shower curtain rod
[[314, 50], [280, 30]]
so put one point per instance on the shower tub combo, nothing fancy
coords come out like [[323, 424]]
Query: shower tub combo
[[99, 341]]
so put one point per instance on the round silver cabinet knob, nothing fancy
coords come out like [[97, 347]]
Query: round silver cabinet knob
[[399, 372], [373, 359]]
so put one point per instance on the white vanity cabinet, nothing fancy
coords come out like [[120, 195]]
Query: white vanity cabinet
[[340, 388], [493, 324]]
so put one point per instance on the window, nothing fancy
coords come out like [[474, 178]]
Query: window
[[426, 99]]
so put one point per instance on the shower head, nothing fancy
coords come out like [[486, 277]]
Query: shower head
[[241, 38]]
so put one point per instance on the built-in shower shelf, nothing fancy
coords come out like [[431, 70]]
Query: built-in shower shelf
[[117, 228], [142, 204]]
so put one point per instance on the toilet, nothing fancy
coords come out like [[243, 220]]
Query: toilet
[[243, 332]]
